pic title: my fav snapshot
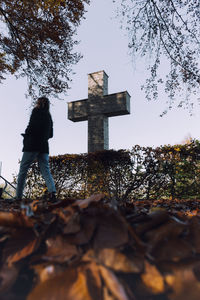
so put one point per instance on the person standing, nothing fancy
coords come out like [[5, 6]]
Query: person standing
[[35, 146]]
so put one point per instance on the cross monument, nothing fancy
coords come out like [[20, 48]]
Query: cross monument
[[97, 109]]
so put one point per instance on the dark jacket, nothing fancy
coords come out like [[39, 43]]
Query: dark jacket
[[38, 131]]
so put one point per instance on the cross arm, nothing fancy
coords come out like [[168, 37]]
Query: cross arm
[[116, 104], [78, 110]]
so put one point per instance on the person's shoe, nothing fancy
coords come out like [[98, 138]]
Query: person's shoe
[[52, 197], [45, 196], [17, 199]]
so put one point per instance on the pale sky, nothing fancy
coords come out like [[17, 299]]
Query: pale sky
[[104, 47]]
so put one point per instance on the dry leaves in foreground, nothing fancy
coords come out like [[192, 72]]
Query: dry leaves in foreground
[[87, 250]]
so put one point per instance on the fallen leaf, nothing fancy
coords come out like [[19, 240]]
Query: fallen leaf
[[79, 290], [94, 281], [73, 225], [113, 284], [87, 229], [93, 198], [27, 250], [184, 285], [107, 295], [196, 270], [22, 244], [194, 230], [15, 219], [65, 214], [5, 233], [172, 250], [70, 285], [59, 250], [168, 230], [111, 231], [119, 262], [156, 218], [8, 276], [153, 279], [46, 271], [55, 288]]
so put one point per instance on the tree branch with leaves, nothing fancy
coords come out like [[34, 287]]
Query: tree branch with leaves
[[37, 41], [167, 29]]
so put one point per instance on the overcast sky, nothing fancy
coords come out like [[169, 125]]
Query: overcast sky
[[104, 47]]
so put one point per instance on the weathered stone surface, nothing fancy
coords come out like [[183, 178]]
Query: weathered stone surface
[[97, 108]]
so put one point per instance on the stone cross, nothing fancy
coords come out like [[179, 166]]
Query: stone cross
[[97, 108]]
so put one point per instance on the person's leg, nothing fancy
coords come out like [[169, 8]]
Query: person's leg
[[27, 159], [43, 161]]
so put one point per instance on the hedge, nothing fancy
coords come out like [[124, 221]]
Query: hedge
[[140, 173]]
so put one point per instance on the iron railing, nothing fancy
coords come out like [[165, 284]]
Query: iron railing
[[6, 183]]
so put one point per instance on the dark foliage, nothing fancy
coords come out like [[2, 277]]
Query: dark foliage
[[37, 40], [166, 172], [167, 32]]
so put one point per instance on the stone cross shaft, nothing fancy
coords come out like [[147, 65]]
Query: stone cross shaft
[[97, 108]]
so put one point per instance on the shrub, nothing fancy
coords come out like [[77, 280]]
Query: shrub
[[139, 173]]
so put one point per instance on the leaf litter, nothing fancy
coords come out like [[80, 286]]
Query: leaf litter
[[88, 250]]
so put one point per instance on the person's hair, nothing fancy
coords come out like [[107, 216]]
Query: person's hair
[[43, 103]]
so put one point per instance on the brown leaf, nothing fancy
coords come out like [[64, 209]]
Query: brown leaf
[[46, 271], [170, 229], [87, 228], [196, 270], [59, 250], [171, 266], [119, 262], [107, 295], [157, 218], [70, 285], [113, 284], [65, 214], [153, 279], [54, 288], [184, 285], [94, 282], [93, 198], [194, 230], [79, 290], [173, 250], [5, 233], [15, 219], [8, 276], [111, 231], [27, 250], [73, 226], [22, 244]]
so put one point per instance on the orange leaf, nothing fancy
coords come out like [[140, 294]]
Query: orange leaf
[[119, 262], [79, 290], [27, 250], [113, 284], [153, 279], [70, 284], [59, 250], [46, 271], [84, 203], [184, 285], [15, 219]]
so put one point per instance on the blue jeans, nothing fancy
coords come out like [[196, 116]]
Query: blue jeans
[[43, 162]]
